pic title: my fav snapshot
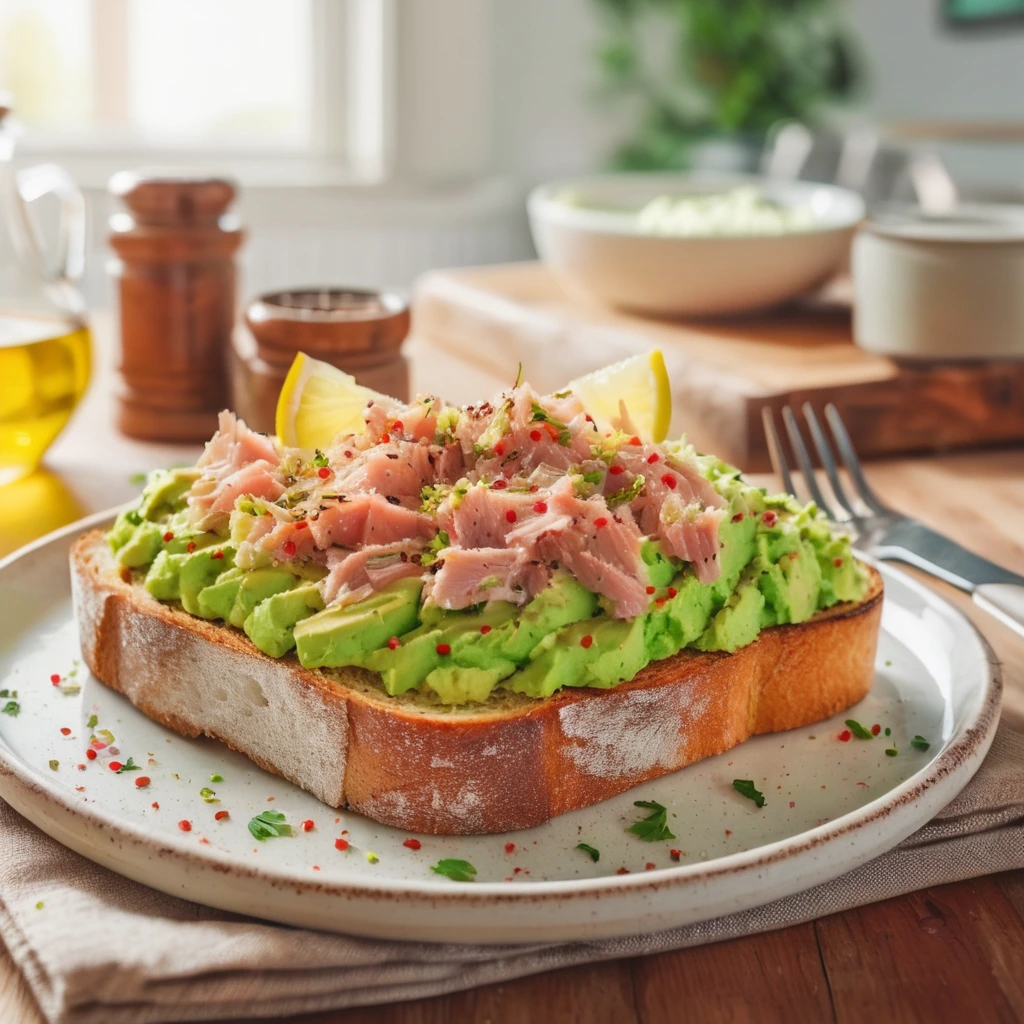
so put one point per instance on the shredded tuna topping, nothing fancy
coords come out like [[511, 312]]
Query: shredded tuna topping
[[484, 502]]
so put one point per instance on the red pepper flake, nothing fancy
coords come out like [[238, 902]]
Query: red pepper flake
[[217, 554], [323, 472], [341, 844], [588, 417], [845, 736], [586, 641], [155, 806], [728, 831], [792, 803], [348, 454], [510, 515], [622, 871], [91, 754], [650, 865], [485, 629], [316, 867], [875, 729], [190, 546], [837, 562], [65, 731], [220, 815], [672, 591], [650, 590], [510, 847], [616, 470], [660, 601], [738, 518], [652, 458], [412, 844], [385, 437], [515, 871], [540, 507], [394, 643], [443, 649], [204, 841], [301, 524], [80, 767], [307, 825], [398, 425], [185, 825], [168, 536], [794, 555], [669, 481], [55, 679], [600, 521], [769, 518], [634, 440], [499, 449], [535, 435], [114, 766], [499, 485], [142, 781], [288, 548], [675, 854]]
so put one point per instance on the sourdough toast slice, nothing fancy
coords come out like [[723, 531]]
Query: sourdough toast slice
[[511, 763]]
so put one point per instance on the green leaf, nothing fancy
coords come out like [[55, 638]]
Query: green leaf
[[128, 766], [891, 752], [456, 870], [209, 795], [655, 826], [12, 708], [215, 777], [54, 765], [920, 743], [858, 730], [93, 722], [269, 825], [627, 494], [595, 855], [320, 460], [746, 788]]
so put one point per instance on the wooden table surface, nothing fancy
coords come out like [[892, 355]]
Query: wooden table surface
[[953, 952]]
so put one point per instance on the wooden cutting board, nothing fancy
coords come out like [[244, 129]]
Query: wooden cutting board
[[724, 371]]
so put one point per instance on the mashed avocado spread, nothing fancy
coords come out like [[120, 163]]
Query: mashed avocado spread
[[780, 563]]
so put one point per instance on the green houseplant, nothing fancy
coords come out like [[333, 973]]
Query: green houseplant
[[699, 70]]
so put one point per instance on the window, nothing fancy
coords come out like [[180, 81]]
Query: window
[[167, 79]]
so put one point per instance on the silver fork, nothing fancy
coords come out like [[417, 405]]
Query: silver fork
[[880, 531]]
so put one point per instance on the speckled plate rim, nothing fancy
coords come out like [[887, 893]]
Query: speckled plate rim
[[934, 786]]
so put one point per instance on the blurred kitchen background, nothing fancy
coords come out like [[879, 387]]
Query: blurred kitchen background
[[376, 139]]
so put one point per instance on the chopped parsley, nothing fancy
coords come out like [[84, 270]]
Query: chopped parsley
[[891, 752], [209, 796], [138, 479], [888, 731], [435, 547], [456, 870], [129, 766], [54, 765], [269, 825], [39, 905], [595, 855], [216, 777], [858, 730], [746, 787], [93, 722], [372, 858], [12, 708], [627, 494], [320, 460], [655, 826], [541, 415], [920, 743]]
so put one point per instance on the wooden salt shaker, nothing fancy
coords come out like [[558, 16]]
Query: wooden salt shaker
[[360, 332], [176, 281]]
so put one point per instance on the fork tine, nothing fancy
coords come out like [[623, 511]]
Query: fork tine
[[828, 460], [804, 459], [775, 452], [852, 463]]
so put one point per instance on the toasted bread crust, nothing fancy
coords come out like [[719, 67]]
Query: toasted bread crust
[[494, 768]]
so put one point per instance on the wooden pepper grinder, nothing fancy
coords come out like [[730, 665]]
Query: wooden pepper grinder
[[176, 279]]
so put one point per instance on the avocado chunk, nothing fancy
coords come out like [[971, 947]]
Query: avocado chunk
[[198, 571], [271, 624], [660, 569], [563, 601], [255, 586], [738, 623], [618, 651], [123, 529], [791, 587], [165, 491], [164, 574], [142, 547], [345, 635], [560, 659], [217, 600], [456, 684]]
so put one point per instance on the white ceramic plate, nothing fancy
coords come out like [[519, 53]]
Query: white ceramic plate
[[604, 256], [831, 805]]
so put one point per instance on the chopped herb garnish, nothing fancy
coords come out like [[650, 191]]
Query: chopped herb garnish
[[920, 743], [655, 826], [5, 693], [858, 730], [888, 731], [627, 494], [541, 415], [39, 905], [595, 855], [372, 857], [320, 460], [216, 778], [434, 548], [137, 479], [54, 764], [746, 788], [519, 376], [269, 825], [891, 752], [209, 795], [129, 766], [563, 394], [93, 722], [456, 870], [12, 708]]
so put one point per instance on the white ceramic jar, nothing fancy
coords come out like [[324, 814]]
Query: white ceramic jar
[[949, 287]]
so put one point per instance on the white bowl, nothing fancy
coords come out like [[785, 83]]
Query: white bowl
[[602, 253]]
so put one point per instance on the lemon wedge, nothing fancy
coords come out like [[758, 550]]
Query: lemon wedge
[[640, 384], [318, 401]]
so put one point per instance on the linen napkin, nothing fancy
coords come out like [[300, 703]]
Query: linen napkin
[[104, 949]]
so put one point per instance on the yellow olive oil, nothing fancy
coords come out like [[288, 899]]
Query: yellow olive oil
[[44, 370]]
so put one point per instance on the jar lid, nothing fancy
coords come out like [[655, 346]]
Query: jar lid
[[329, 321], [966, 222]]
